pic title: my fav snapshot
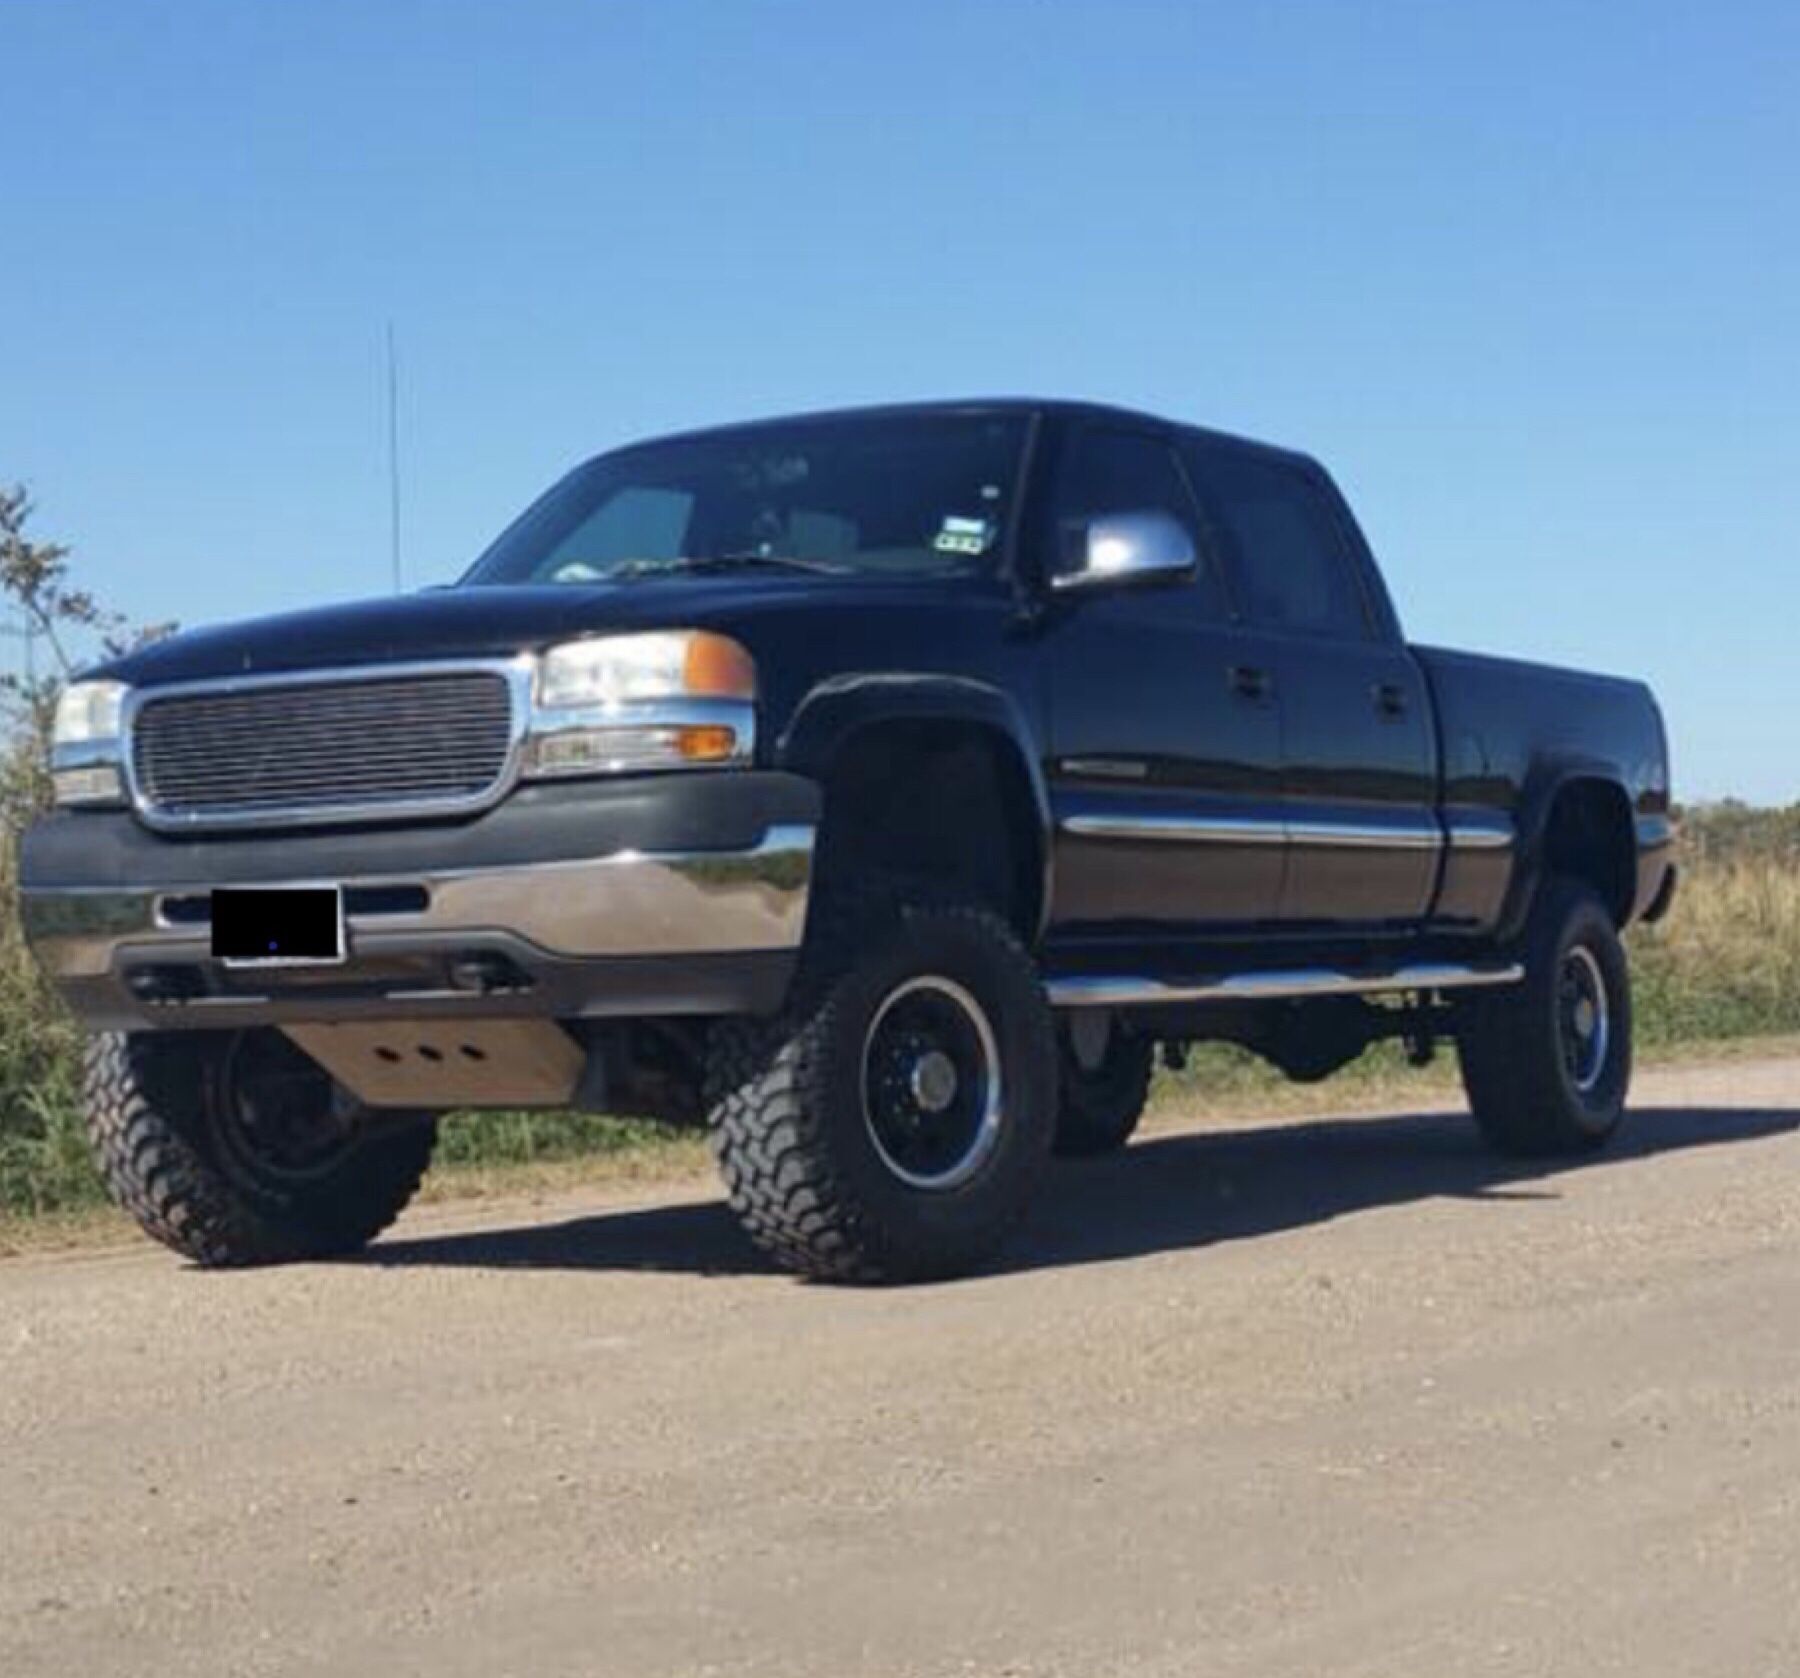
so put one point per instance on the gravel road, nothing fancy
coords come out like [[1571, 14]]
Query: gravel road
[[1309, 1398]]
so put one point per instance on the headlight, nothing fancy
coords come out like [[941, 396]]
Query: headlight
[[88, 711], [621, 669], [671, 699], [84, 744]]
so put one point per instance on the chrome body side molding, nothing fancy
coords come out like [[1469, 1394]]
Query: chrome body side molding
[[1235, 830], [1371, 837], [1222, 830], [1106, 768], [1478, 834]]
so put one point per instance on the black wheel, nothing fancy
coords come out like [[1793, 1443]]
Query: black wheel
[[237, 1148], [893, 1125], [1103, 1084], [1547, 1062]]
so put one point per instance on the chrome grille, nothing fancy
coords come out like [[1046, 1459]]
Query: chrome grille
[[353, 748]]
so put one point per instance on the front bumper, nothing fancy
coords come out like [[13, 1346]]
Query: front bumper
[[657, 896]]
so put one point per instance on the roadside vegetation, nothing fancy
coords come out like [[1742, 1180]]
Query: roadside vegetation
[[1724, 967]]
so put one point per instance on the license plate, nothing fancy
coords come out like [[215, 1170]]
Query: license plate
[[289, 926]]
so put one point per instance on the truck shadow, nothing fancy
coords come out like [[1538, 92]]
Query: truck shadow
[[1163, 1194]]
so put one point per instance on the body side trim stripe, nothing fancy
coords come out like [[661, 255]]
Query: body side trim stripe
[[1227, 830], [1480, 836], [1232, 830]]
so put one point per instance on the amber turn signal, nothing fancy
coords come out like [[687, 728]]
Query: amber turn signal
[[710, 744], [716, 667]]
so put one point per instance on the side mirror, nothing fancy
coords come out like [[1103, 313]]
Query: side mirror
[[1118, 549]]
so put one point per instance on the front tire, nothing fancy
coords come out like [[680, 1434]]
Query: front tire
[[894, 1124], [237, 1149], [1547, 1062]]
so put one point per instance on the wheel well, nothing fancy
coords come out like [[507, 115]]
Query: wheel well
[[947, 802], [1590, 837]]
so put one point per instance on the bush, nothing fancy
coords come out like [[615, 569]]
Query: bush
[[43, 1153]]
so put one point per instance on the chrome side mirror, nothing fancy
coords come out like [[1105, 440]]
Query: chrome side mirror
[[1124, 548]]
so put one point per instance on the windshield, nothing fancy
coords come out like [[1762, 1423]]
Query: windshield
[[903, 495]]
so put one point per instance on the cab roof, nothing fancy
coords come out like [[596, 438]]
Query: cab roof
[[1068, 410]]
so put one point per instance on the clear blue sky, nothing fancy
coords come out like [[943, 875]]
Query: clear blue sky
[[1526, 276]]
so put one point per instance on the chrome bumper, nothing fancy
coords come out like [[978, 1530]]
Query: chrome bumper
[[660, 911]]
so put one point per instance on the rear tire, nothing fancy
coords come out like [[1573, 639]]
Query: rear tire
[[237, 1149], [1102, 1094], [1547, 1062], [893, 1124]]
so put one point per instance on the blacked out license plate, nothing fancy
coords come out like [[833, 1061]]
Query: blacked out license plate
[[286, 926]]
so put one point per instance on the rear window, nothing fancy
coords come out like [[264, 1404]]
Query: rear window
[[1293, 568]]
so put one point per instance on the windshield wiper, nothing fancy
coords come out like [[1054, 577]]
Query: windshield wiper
[[726, 562]]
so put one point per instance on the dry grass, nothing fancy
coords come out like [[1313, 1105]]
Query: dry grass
[[1726, 963]]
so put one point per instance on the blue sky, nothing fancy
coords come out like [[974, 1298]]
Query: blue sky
[[1526, 276]]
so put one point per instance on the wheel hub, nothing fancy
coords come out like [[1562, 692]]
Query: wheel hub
[[932, 1084], [933, 1081]]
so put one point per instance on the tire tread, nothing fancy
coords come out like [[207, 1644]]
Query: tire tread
[[156, 1170], [767, 1099], [1509, 1067]]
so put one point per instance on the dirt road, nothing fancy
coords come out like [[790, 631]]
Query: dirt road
[[1332, 1398]]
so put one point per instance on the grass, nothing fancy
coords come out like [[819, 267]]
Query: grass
[[44, 1161], [1724, 968], [1726, 962], [512, 1153]]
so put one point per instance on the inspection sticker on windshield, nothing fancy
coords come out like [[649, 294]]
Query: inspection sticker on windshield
[[963, 536]]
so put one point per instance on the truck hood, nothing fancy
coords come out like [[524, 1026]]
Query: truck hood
[[485, 622]]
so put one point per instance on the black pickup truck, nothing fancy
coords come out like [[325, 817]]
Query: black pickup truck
[[879, 788]]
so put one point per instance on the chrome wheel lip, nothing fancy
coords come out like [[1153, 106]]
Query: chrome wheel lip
[[1587, 1045], [991, 1122]]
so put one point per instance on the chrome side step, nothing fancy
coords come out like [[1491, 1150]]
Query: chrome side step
[[1127, 991]]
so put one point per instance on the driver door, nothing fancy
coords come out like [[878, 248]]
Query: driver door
[[1165, 722]]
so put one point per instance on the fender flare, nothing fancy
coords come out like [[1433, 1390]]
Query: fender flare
[[1544, 784], [829, 714]]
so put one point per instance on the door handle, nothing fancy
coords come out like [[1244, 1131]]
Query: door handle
[[1249, 681], [1390, 699]]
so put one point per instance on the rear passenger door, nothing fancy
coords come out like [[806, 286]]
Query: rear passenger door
[[1358, 757], [1164, 725]]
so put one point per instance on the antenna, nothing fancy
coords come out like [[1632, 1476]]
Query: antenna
[[393, 393]]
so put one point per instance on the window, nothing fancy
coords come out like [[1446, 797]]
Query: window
[[865, 495], [641, 522], [1291, 562], [1107, 472]]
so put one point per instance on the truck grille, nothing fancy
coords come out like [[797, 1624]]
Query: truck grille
[[339, 749]]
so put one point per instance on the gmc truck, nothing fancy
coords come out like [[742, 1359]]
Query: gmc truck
[[880, 789]]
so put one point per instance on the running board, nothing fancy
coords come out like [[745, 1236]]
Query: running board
[[1136, 992]]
